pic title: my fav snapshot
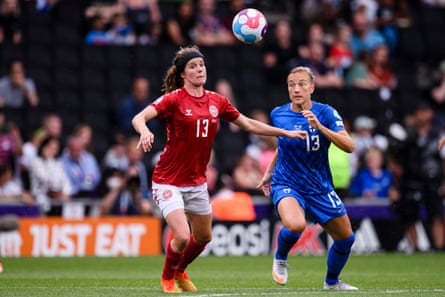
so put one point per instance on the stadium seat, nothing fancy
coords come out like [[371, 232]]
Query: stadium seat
[[119, 57], [93, 56], [67, 99], [93, 79], [39, 56], [67, 56], [39, 34], [119, 79], [65, 77], [147, 57], [41, 76], [96, 101]]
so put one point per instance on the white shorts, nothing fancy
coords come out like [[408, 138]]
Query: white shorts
[[193, 199]]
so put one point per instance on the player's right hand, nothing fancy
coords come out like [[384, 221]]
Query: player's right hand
[[146, 141], [296, 134]]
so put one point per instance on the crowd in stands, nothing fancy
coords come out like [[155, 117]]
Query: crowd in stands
[[348, 44]]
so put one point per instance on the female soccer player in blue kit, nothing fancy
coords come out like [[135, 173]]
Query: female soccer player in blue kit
[[298, 178]]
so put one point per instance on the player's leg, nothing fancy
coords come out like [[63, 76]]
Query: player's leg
[[169, 199], [198, 210], [201, 235], [177, 222], [293, 220], [341, 232]]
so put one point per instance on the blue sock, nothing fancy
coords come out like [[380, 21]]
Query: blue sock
[[337, 256], [286, 240]]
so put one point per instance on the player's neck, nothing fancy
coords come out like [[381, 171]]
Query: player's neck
[[300, 107], [194, 91]]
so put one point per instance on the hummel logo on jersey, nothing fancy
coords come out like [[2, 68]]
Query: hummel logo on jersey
[[188, 112], [287, 190]]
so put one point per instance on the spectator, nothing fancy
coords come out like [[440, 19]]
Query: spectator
[[230, 141], [325, 76], [135, 160], [10, 31], [81, 167], [340, 54], [43, 6], [16, 88], [10, 142], [365, 138], [10, 190], [49, 180], [132, 104], [422, 177], [51, 126], [209, 30], [380, 69], [235, 6], [278, 51], [85, 133], [97, 35], [29, 153], [386, 21], [116, 155], [437, 93], [121, 31], [247, 175], [179, 29], [364, 37], [142, 13], [106, 10], [123, 196], [373, 181]]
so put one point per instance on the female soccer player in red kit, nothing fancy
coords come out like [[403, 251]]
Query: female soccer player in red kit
[[179, 183]]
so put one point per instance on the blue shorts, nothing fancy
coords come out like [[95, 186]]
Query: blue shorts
[[317, 208]]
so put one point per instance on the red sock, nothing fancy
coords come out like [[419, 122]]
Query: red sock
[[171, 262], [190, 253]]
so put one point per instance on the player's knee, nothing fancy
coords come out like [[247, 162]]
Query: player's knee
[[203, 239], [345, 245], [181, 241], [296, 226]]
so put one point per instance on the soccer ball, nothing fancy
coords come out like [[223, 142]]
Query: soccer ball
[[249, 25]]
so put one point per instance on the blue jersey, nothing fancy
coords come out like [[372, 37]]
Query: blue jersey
[[303, 164]]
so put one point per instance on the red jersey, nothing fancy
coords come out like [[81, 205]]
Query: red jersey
[[192, 123]]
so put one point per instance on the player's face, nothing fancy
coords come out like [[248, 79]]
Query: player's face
[[300, 88], [195, 72]]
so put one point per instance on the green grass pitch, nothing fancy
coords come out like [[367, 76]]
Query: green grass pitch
[[375, 275]]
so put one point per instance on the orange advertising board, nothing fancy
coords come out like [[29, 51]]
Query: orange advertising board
[[106, 237]]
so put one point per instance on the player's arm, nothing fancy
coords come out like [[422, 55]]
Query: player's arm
[[267, 177], [260, 128], [139, 123]]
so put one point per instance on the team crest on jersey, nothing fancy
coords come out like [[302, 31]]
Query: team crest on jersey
[[213, 111], [167, 194], [297, 127]]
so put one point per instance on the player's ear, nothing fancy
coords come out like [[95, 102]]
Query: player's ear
[[312, 88]]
